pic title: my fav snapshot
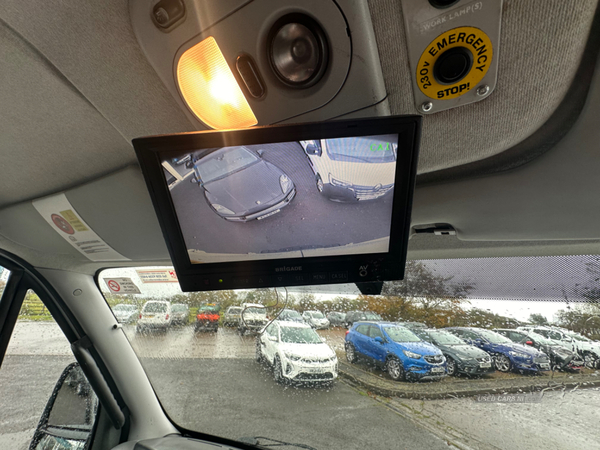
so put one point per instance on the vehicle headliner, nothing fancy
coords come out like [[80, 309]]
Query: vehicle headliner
[[75, 91]]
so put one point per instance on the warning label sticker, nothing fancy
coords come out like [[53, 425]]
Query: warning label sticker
[[158, 276], [477, 47], [63, 218], [121, 286]]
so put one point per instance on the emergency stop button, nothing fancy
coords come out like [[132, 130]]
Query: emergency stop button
[[453, 65]]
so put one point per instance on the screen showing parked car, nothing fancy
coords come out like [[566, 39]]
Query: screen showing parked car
[[325, 197]]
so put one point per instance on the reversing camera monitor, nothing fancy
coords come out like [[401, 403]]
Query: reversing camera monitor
[[286, 205]]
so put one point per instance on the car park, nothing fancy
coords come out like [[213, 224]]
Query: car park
[[231, 317], [460, 357], [240, 186], [336, 319], [560, 357], [395, 349], [126, 313], [354, 316], [181, 314], [507, 175], [316, 319], [253, 318], [506, 354], [155, 315], [296, 353], [361, 171], [290, 315], [207, 318]]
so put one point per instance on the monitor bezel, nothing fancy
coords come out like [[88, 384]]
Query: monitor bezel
[[151, 151]]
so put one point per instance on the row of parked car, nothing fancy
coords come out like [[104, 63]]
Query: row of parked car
[[155, 314], [411, 351], [316, 319]]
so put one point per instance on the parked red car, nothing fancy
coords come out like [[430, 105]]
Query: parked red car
[[207, 318]]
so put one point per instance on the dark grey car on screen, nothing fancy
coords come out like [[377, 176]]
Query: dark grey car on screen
[[460, 356], [239, 185]]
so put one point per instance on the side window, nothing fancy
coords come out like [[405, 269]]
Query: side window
[[363, 329], [375, 332], [271, 331], [36, 356]]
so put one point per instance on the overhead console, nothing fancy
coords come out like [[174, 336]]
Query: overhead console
[[238, 63], [294, 205]]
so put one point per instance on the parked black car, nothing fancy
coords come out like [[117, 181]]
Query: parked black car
[[240, 186], [336, 319], [460, 357], [355, 316], [560, 358]]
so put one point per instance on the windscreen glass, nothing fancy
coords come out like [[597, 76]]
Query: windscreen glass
[[285, 200], [330, 387]]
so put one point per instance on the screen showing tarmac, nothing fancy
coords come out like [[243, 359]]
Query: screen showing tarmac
[[326, 197]]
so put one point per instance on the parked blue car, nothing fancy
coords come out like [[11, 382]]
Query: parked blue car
[[395, 349], [506, 354]]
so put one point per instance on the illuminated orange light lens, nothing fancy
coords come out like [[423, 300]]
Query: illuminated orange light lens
[[210, 89]]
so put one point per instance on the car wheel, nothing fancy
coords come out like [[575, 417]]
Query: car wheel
[[258, 355], [350, 353], [242, 331], [451, 366], [395, 369], [503, 363], [278, 370], [320, 185]]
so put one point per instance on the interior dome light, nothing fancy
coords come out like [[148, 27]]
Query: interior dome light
[[209, 88]]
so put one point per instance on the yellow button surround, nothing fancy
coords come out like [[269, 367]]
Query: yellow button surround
[[471, 38]]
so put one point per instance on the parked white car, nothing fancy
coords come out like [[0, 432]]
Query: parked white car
[[352, 169], [253, 317], [155, 315], [125, 313], [231, 317], [316, 319], [297, 353]]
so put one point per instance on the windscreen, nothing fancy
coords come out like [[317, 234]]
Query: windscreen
[[297, 335], [237, 380], [326, 197]]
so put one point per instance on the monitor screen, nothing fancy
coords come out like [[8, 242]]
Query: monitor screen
[[294, 199], [300, 198]]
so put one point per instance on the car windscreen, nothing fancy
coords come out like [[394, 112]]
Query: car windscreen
[[401, 334], [362, 149], [155, 307], [444, 338], [179, 308], [253, 310], [493, 337], [219, 382], [290, 314], [371, 316], [209, 309], [541, 339], [123, 308], [299, 335], [223, 162], [234, 310], [317, 315]]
